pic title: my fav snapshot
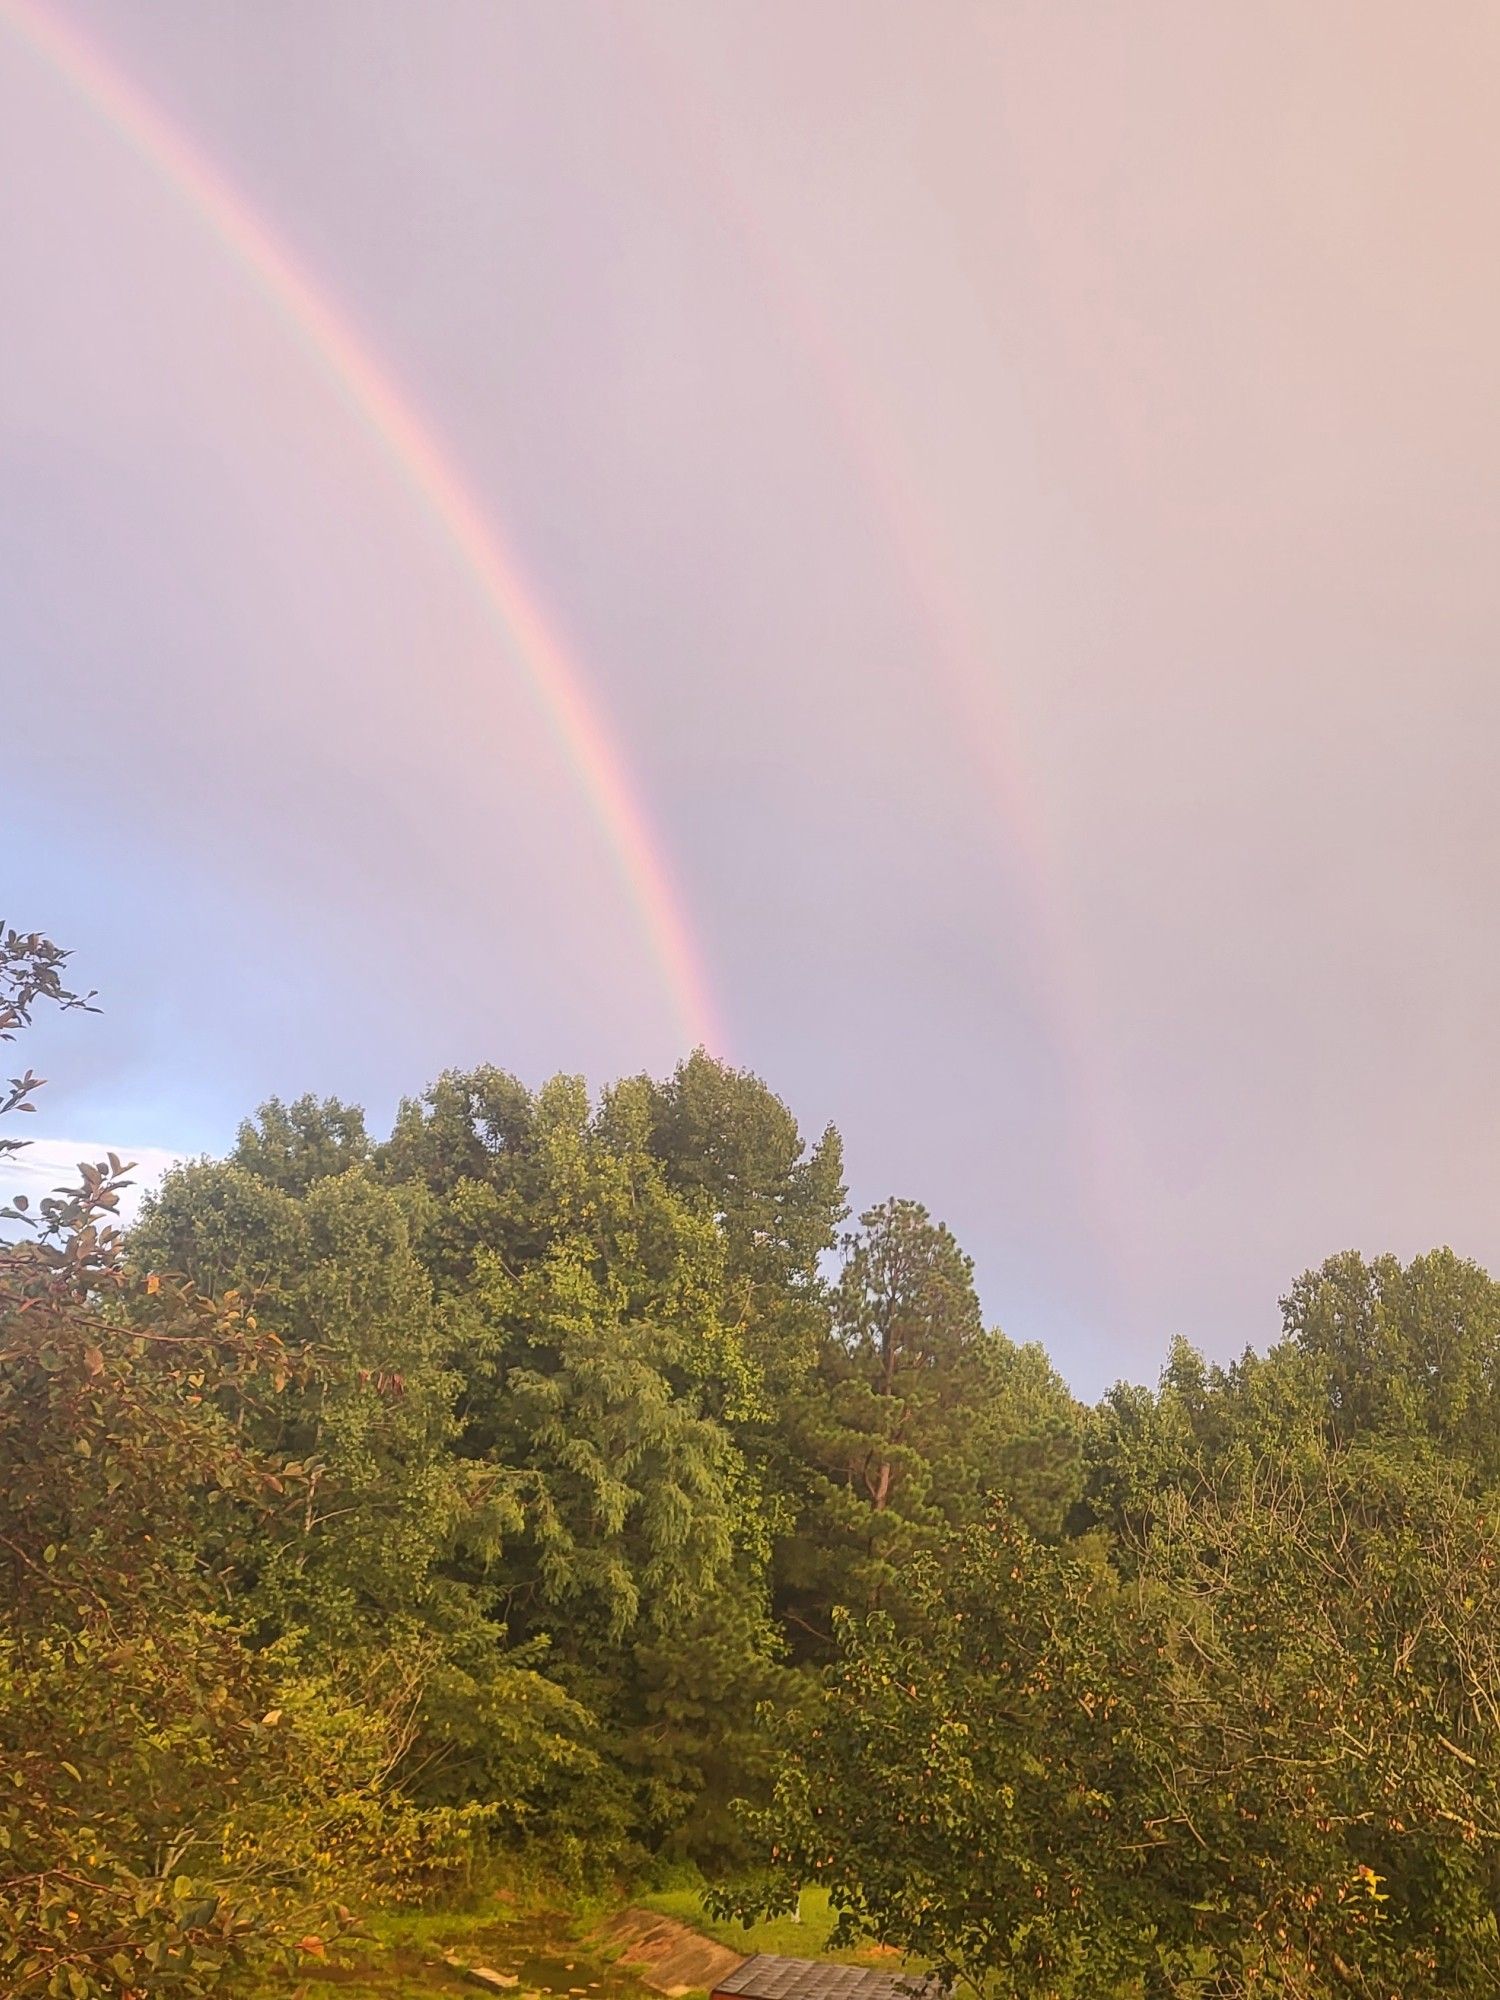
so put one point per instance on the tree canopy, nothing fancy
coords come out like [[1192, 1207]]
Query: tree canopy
[[551, 1481]]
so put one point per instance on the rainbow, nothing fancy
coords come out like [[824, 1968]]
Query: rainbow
[[409, 444], [1098, 1132]]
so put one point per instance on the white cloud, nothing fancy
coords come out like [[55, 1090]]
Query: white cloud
[[46, 1163]]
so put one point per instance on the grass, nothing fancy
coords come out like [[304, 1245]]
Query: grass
[[403, 1960], [785, 1935], [550, 1950]]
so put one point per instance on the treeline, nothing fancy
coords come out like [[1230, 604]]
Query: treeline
[[565, 1483]]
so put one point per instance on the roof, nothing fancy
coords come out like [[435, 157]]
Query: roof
[[769, 1977]]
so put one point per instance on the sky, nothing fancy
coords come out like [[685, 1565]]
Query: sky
[[991, 612]]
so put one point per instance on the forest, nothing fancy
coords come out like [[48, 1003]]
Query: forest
[[568, 1483]]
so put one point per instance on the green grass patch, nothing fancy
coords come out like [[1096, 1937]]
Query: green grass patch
[[550, 1950], [804, 1936], [402, 1959]]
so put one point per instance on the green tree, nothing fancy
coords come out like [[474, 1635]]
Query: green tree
[[1264, 1763], [290, 1146], [914, 1420], [723, 1138], [584, 1301], [396, 1536], [177, 1795], [1409, 1350]]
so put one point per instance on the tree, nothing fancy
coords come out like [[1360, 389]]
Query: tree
[[289, 1146], [723, 1138], [1408, 1350], [179, 1795], [914, 1420], [583, 1297], [957, 1787], [1265, 1763], [391, 1545]]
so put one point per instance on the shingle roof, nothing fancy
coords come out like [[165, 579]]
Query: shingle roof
[[769, 1977]]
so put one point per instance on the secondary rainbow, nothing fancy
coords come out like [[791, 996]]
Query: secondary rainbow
[[408, 442], [1099, 1133]]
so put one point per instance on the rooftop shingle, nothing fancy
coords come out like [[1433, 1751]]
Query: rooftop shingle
[[770, 1977]]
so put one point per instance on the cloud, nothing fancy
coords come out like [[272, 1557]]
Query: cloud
[[46, 1164]]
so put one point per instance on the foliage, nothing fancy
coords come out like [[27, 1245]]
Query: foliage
[[914, 1419], [1265, 1767], [549, 1480], [174, 1797], [289, 1146], [1254, 1751], [586, 1299]]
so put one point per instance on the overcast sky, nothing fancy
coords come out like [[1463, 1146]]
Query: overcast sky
[[1019, 484]]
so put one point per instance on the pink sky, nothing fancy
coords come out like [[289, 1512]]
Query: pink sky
[[1016, 479]]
